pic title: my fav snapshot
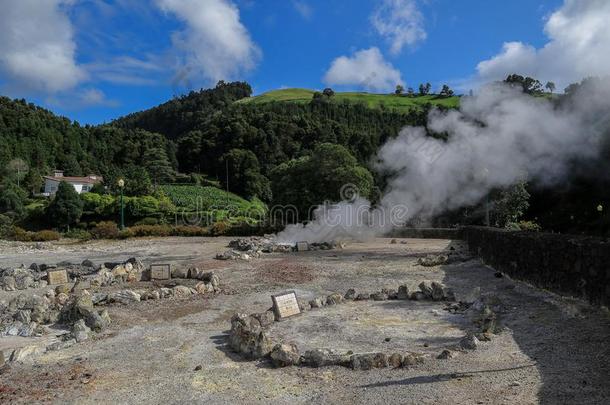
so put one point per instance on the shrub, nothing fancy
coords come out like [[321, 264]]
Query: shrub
[[80, 234], [105, 230], [5, 226], [45, 236], [219, 228], [125, 234], [529, 226], [21, 235], [187, 230], [148, 221], [151, 230]]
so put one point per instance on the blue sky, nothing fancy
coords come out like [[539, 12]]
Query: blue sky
[[94, 60]]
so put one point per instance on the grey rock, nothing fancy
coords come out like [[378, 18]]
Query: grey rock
[[350, 294], [318, 302], [334, 299], [325, 357], [28, 330], [23, 316], [403, 292], [181, 291], [469, 342], [8, 283], [23, 353], [87, 263], [284, 355], [124, 297], [445, 355], [395, 360], [304, 306], [80, 331], [412, 359], [379, 296], [367, 361], [363, 297], [426, 289], [438, 293]]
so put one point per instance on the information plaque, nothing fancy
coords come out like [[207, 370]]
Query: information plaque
[[285, 305], [160, 272], [55, 277]]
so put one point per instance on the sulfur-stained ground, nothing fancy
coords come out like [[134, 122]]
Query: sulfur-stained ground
[[552, 350]]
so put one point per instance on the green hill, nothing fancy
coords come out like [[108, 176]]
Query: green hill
[[372, 100]]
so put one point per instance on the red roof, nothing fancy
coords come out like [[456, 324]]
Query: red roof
[[75, 179]]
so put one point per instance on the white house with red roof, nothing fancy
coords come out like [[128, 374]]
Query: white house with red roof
[[80, 184]]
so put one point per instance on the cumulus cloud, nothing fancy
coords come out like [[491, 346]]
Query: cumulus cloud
[[400, 22], [215, 44], [579, 40], [303, 8], [366, 69], [37, 51]]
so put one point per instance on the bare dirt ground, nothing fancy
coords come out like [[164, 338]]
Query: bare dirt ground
[[552, 350]]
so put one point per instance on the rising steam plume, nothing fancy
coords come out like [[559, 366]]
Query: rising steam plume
[[495, 139]]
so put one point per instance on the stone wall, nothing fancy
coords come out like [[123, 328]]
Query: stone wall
[[567, 264], [426, 233]]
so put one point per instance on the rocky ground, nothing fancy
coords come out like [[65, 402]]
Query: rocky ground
[[550, 350]]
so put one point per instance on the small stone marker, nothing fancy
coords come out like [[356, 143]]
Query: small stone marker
[[55, 277], [285, 305], [160, 272], [82, 284], [302, 246]]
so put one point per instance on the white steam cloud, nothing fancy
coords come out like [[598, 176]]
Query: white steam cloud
[[494, 140]]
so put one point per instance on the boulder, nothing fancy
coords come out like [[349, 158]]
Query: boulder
[[181, 291], [395, 360], [284, 355], [124, 297], [438, 291], [203, 287], [23, 353], [350, 294], [8, 283], [403, 292], [80, 331], [178, 272], [63, 289], [426, 289], [318, 302], [445, 355], [367, 361], [325, 357], [334, 299], [418, 296], [362, 297], [22, 316], [28, 329], [449, 294], [433, 260], [87, 263], [248, 338], [379, 296], [411, 359], [469, 342], [304, 306]]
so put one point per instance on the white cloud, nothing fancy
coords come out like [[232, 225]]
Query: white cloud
[[365, 68], [579, 44], [303, 8], [37, 48], [400, 22], [215, 44]]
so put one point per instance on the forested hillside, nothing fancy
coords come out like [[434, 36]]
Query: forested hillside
[[261, 148]]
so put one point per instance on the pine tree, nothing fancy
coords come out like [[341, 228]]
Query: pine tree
[[66, 208]]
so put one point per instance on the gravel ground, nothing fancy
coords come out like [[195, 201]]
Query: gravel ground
[[552, 350]]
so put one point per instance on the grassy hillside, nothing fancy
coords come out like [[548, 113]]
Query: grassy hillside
[[191, 198], [373, 100]]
